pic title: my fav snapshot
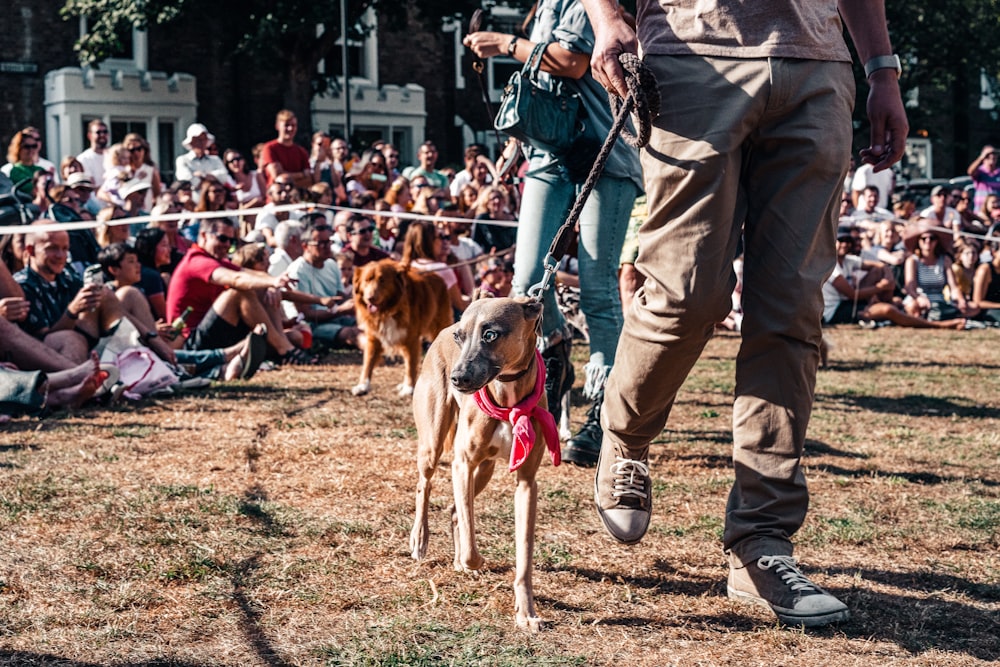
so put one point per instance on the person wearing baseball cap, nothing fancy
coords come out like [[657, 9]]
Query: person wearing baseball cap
[[198, 162], [939, 213]]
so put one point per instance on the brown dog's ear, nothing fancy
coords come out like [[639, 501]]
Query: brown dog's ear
[[357, 280], [532, 310]]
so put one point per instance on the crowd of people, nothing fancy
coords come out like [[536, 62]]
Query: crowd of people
[[238, 253], [235, 265], [938, 267]]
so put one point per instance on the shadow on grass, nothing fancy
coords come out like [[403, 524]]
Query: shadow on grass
[[916, 619], [914, 405]]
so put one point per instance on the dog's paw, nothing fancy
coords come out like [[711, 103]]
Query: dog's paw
[[405, 390], [530, 623], [361, 389]]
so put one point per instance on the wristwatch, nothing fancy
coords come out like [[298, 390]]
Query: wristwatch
[[884, 62]]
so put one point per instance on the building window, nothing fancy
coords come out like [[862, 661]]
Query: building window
[[133, 51]]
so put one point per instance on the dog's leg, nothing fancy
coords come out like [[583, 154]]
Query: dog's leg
[[434, 413], [525, 510], [373, 354], [565, 432], [466, 544], [411, 367]]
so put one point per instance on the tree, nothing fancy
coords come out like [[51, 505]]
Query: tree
[[944, 45], [280, 36]]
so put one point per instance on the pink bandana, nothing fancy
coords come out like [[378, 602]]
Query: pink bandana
[[520, 418]]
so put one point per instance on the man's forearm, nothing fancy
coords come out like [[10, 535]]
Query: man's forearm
[[865, 20]]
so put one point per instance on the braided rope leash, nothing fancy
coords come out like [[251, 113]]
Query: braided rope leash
[[643, 102]]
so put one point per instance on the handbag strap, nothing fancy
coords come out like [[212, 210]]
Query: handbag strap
[[534, 61]]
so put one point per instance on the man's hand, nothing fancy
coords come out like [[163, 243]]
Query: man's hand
[[889, 126], [14, 309], [613, 37], [86, 300]]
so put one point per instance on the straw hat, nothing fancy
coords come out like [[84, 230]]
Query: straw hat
[[913, 232]]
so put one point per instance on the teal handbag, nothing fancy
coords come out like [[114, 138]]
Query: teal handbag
[[549, 120]]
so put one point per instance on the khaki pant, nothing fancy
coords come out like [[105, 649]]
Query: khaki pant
[[759, 146]]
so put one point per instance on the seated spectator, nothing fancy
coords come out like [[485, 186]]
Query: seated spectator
[[854, 284], [23, 159], [497, 277], [65, 314], [17, 346], [421, 249], [387, 228], [198, 162], [990, 212], [341, 235], [183, 193], [321, 194], [371, 174], [117, 174], [399, 196], [283, 156], [427, 156], [332, 320], [166, 216], [225, 306], [288, 240], [961, 200], [107, 231], [492, 206], [362, 230], [967, 251], [465, 176], [84, 203], [868, 208], [152, 248], [860, 291], [928, 272], [280, 193], [986, 289], [939, 213]]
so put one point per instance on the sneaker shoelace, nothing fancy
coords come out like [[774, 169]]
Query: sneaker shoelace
[[630, 478], [785, 567]]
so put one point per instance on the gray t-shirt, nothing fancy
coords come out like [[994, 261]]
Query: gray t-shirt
[[808, 29]]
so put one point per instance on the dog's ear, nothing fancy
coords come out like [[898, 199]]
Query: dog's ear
[[532, 310], [357, 280]]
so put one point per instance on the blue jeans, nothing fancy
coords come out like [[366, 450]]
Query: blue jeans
[[547, 199]]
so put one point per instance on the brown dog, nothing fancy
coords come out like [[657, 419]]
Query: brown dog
[[492, 348], [399, 308]]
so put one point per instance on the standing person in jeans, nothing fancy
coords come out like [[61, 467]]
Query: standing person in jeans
[[549, 195], [754, 133]]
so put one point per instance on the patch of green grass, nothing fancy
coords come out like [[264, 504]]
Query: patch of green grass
[[133, 432], [401, 644]]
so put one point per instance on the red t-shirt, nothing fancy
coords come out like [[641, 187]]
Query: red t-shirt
[[374, 255], [292, 158], [190, 285]]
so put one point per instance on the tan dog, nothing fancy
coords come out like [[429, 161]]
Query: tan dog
[[492, 347], [399, 308]]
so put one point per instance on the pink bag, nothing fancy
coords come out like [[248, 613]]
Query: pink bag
[[142, 372]]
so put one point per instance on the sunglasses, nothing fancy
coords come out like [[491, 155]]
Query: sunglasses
[[29, 147], [135, 149], [363, 230], [222, 238], [235, 158], [928, 239]]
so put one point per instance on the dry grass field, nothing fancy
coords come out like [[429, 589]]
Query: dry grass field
[[267, 523]]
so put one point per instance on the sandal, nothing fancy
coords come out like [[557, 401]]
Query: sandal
[[255, 351], [297, 357]]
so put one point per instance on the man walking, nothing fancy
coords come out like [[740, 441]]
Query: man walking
[[758, 142]]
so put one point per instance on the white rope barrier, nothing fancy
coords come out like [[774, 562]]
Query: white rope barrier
[[185, 216]]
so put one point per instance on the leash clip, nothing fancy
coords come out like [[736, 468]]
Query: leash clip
[[549, 264]]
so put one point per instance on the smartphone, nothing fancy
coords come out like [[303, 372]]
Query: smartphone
[[93, 275], [381, 178]]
